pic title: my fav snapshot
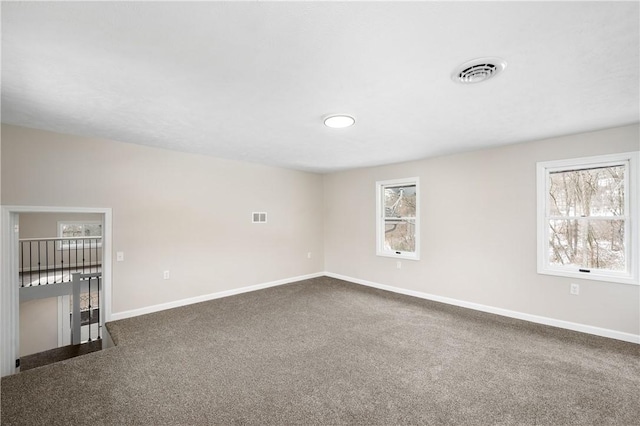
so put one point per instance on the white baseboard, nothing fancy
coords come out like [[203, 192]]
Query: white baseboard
[[205, 297], [604, 332]]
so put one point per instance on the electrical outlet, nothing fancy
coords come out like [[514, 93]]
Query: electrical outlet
[[166, 275], [575, 289], [399, 265]]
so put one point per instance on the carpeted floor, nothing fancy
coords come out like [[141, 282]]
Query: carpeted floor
[[327, 352]]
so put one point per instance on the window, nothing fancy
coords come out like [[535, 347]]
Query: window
[[397, 222], [588, 218], [92, 230]]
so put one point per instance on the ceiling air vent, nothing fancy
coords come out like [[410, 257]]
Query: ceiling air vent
[[478, 70]]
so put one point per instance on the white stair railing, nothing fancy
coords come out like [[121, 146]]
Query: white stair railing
[[80, 284]]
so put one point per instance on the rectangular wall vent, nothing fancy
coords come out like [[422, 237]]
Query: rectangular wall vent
[[259, 217]]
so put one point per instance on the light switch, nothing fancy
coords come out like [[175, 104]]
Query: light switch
[[120, 256]]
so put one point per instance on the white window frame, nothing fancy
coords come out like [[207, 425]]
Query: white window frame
[[380, 225], [80, 243], [631, 217]]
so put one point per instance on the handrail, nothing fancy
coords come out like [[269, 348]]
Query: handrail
[[89, 275], [61, 238]]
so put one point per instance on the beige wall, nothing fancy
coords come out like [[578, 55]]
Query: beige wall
[[190, 214], [478, 232], [45, 225], [185, 213], [38, 325]]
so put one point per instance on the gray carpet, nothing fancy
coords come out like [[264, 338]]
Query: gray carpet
[[327, 352]]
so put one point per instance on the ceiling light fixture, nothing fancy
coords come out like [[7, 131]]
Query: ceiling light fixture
[[339, 121], [478, 70]]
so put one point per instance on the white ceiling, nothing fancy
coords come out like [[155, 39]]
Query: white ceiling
[[252, 81]]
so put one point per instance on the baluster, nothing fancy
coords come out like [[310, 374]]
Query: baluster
[[46, 259], [46, 263], [58, 248], [99, 307], [30, 262], [76, 252], [69, 263], [89, 308], [22, 263], [61, 250], [62, 260], [53, 260], [38, 262], [76, 316]]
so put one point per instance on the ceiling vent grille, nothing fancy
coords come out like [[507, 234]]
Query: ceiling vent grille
[[478, 70]]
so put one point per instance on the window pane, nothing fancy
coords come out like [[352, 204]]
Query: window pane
[[588, 192], [400, 201], [72, 230], [92, 230], [399, 235], [597, 244]]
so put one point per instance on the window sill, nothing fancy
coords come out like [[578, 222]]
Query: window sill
[[593, 276], [405, 256]]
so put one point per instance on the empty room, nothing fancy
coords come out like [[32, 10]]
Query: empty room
[[327, 213]]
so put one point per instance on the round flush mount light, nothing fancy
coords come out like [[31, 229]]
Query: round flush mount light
[[339, 121], [478, 70]]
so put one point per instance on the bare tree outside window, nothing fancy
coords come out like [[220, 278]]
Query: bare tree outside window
[[400, 218], [74, 230], [587, 218], [80, 230]]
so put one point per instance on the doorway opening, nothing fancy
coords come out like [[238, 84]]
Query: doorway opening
[[57, 275]]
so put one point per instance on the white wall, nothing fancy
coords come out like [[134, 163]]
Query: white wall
[[478, 232], [185, 213]]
